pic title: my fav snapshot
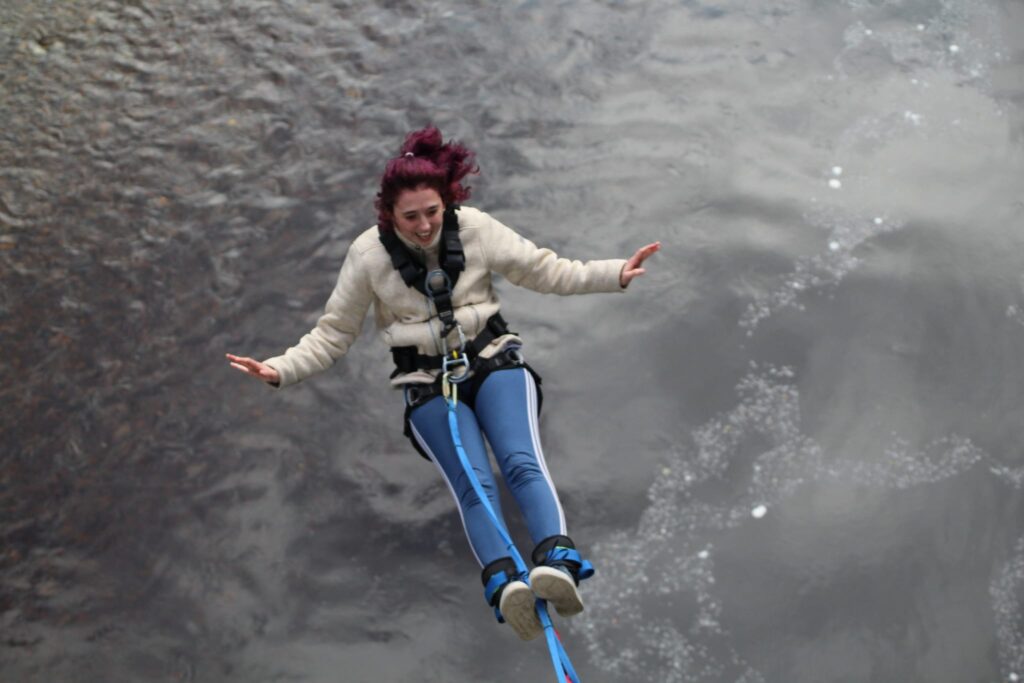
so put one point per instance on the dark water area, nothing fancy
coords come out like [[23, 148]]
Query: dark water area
[[792, 450]]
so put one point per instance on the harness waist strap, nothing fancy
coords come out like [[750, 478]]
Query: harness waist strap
[[408, 359]]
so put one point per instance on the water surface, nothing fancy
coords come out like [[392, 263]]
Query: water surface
[[792, 450]]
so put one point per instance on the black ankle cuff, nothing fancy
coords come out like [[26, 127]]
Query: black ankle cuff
[[540, 553], [504, 565]]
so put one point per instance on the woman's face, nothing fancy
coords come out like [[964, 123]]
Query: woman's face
[[418, 214]]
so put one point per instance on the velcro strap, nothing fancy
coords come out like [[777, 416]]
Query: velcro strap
[[494, 584], [561, 554], [570, 555]]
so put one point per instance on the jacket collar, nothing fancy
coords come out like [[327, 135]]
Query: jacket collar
[[420, 250]]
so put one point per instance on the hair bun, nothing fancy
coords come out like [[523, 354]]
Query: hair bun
[[426, 143], [425, 159]]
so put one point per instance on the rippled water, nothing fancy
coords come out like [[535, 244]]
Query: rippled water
[[792, 450]]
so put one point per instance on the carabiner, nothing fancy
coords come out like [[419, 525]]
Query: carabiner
[[462, 342], [453, 360]]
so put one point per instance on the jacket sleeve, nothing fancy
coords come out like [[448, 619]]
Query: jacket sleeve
[[336, 329], [525, 264]]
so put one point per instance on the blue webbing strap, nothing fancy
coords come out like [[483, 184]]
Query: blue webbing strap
[[562, 554], [559, 658]]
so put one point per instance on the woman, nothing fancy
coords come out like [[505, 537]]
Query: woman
[[426, 270]]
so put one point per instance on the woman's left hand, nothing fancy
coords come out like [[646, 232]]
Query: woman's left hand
[[634, 266]]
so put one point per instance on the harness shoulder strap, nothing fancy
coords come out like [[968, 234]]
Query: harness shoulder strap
[[402, 259], [451, 257]]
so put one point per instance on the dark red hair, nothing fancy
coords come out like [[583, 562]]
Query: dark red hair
[[425, 159]]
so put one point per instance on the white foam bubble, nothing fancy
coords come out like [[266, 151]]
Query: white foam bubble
[[759, 512], [835, 184], [1014, 476]]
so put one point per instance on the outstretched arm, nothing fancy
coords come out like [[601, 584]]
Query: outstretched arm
[[334, 333], [634, 266], [538, 268]]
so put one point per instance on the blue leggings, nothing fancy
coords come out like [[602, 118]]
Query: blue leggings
[[505, 411]]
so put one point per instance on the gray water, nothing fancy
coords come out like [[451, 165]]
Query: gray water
[[792, 450]]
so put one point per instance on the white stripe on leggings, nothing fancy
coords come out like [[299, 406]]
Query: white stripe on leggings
[[531, 410], [426, 449]]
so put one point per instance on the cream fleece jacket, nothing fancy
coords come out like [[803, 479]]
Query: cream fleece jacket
[[406, 317]]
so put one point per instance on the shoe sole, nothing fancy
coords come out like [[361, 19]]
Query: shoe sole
[[519, 611], [558, 589]]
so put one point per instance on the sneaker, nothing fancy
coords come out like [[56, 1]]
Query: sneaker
[[517, 606], [558, 588]]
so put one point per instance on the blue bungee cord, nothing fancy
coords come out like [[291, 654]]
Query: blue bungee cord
[[559, 657], [437, 282]]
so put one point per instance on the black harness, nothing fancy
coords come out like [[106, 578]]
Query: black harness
[[438, 288], [452, 260], [451, 257]]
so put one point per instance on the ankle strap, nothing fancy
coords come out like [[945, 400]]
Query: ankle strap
[[559, 551], [495, 576]]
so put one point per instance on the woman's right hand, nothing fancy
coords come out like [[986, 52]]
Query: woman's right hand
[[254, 368]]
